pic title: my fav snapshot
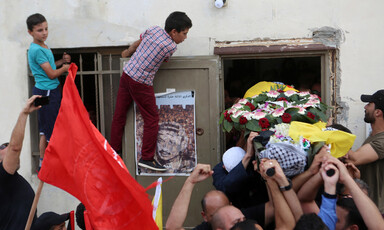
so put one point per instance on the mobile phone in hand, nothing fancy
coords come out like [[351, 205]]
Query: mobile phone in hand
[[44, 100]]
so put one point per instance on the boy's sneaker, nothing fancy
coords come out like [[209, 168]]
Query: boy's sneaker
[[151, 165]]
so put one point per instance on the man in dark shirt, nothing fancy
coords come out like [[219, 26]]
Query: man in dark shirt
[[16, 195]]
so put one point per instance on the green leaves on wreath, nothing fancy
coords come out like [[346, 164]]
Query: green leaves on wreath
[[319, 115], [253, 125], [227, 126], [221, 118], [261, 98]]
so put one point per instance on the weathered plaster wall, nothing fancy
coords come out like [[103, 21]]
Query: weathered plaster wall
[[90, 23]]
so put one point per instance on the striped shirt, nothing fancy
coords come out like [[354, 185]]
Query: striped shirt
[[156, 46]]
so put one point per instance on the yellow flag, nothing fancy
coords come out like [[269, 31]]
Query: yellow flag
[[264, 86], [341, 142], [157, 203]]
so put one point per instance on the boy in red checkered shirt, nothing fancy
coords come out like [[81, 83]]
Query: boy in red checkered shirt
[[155, 46]]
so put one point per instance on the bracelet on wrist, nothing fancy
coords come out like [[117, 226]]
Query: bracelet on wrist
[[329, 196], [288, 187]]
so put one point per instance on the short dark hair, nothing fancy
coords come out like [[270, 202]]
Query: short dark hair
[[341, 128], [178, 21], [310, 221], [353, 216], [203, 204], [35, 19], [245, 225], [80, 216]]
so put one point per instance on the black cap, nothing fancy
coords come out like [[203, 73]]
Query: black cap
[[49, 219], [377, 98]]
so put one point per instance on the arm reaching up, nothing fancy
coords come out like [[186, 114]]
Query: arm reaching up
[[330, 175], [368, 210], [250, 152], [11, 159], [285, 186], [299, 180], [284, 217], [179, 209]]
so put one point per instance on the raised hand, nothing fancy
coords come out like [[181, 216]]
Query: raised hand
[[66, 58], [316, 163], [200, 173], [353, 171], [30, 106]]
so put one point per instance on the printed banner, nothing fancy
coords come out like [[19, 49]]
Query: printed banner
[[176, 140]]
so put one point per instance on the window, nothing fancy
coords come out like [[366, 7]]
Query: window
[[97, 80]]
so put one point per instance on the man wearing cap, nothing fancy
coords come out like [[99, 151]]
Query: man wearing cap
[[16, 194], [370, 156], [51, 221]]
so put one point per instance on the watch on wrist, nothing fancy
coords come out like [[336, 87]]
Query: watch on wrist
[[288, 187]]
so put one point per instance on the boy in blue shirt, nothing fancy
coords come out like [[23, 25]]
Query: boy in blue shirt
[[43, 67]]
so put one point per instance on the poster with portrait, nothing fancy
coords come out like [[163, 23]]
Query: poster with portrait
[[176, 139]]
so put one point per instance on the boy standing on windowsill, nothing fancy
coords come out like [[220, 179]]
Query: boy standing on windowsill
[[136, 84], [43, 67]]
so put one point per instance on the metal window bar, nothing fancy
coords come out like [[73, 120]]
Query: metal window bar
[[99, 94], [111, 85], [81, 78]]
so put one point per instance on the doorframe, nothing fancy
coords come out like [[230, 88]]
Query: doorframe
[[329, 55]]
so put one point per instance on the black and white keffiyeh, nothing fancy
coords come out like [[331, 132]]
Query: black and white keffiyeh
[[290, 157]]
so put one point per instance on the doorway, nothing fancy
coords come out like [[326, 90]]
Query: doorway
[[307, 68]]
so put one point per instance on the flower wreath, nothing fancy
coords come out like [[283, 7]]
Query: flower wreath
[[267, 109]]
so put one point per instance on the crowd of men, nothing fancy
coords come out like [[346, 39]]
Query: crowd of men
[[331, 193], [274, 201]]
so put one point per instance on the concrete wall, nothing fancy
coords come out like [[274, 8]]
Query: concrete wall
[[90, 23]]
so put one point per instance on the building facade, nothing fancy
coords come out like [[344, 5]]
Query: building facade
[[337, 41]]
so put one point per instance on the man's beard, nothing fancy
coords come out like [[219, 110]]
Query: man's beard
[[369, 118]]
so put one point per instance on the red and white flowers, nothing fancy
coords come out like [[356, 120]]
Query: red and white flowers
[[264, 111]]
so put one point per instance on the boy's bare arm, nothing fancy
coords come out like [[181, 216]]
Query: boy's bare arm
[[131, 49], [54, 73]]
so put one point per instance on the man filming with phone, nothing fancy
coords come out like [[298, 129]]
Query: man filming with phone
[[16, 195]]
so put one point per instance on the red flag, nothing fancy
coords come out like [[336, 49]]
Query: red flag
[[86, 221], [72, 220], [80, 161]]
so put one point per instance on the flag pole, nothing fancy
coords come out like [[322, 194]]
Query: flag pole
[[34, 206]]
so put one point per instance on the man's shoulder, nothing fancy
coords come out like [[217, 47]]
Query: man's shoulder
[[373, 138], [376, 142], [379, 135]]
